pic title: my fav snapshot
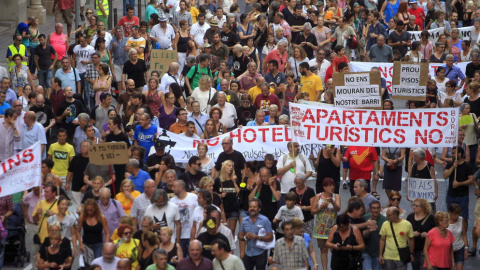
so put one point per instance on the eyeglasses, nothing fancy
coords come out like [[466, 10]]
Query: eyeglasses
[[127, 233], [198, 164], [225, 143], [395, 199], [18, 39], [415, 205], [89, 13]]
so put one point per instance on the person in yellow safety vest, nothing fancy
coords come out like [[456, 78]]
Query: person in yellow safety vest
[[103, 11], [16, 48]]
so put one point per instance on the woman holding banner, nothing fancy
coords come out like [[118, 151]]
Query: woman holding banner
[[422, 169], [440, 79], [392, 172]]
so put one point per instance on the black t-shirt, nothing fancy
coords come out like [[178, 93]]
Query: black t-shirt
[[230, 202], [64, 252], [474, 106], [245, 115], [269, 203], [229, 38], [354, 221], [311, 38], [77, 167], [120, 137], [395, 37], [89, 195], [44, 59], [470, 70], [136, 72], [287, 14], [76, 108], [191, 180], [464, 170], [240, 65], [207, 240], [153, 160], [295, 21], [44, 114], [417, 226], [273, 169], [304, 200], [237, 159]]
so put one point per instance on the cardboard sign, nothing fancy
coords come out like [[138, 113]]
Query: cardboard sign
[[421, 188], [161, 59], [108, 153], [358, 90], [409, 81]]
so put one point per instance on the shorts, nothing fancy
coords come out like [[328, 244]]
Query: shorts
[[244, 213], [83, 2], [477, 209], [459, 256], [65, 15], [118, 69], [232, 215], [346, 165]]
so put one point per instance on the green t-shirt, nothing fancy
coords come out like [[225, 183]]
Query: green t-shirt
[[371, 242], [201, 71], [154, 267]]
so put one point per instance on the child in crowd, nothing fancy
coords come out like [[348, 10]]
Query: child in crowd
[[288, 211]]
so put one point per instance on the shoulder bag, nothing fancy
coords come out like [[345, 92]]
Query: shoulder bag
[[404, 253], [36, 237]]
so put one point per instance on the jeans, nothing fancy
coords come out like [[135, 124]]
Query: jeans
[[131, 3], [258, 262], [260, 56], [462, 201], [184, 244], [394, 265], [417, 264], [2, 254], [45, 77], [369, 262], [97, 249]]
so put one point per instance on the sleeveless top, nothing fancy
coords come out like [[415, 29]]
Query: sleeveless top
[[153, 101], [58, 42], [423, 173], [106, 58], [391, 10], [456, 230], [33, 35], [325, 219], [182, 43], [145, 262], [172, 253], [326, 168], [91, 233], [339, 260]]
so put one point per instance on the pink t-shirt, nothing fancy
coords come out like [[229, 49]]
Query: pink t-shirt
[[439, 252]]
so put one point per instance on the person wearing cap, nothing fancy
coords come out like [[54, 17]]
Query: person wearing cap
[[418, 12], [153, 160], [399, 39], [306, 40], [163, 34], [210, 31], [207, 49], [182, 14], [212, 223]]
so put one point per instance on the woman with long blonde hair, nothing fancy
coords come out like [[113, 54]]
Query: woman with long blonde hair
[[226, 186], [93, 224]]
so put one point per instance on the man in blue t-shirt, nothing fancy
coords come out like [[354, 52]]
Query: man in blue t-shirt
[[137, 175], [23, 29], [144, 134]]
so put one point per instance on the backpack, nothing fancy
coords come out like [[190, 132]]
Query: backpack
[[196, 71], [300, 156]]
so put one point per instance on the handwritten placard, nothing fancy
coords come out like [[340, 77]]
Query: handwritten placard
[[161, 59], [108, 153], [421, 188]]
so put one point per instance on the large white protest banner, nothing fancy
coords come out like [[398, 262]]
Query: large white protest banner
[[386, 69], [402, 128], [253, 142], [421, 188], [21, 171], [434, 34]]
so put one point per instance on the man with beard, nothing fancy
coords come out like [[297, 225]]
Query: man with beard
[[267, 190], [164, 213], [321, 64], [219, 49], [399, 39], [43, 113], [199, 29], [68, 111], [255, 227], [108, 259], [311, 83], [186, 203]]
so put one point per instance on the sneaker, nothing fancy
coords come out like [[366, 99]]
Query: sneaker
[[345, 185], [472, 252]]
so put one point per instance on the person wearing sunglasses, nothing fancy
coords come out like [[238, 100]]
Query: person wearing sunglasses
[[394, 200], [127, 247]]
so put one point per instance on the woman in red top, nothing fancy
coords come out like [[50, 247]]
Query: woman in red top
[[438, 247]]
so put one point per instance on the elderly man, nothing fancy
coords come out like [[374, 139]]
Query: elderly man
[[280, 54], [266, 98], [137, 175], [453, 72], [163, 34], [223, 256], [306, 40], [198, 117], [320, 63], [255, 227], [388, 250], [124, 264], [141, 203], [247, 79], [186, 203], [380, 52], [195, 260], [290, 164], [165, 213], [33, 132], [360, 188], [229, 112], [259, 119], [59, 42], [229, 154], [290, 251], [135, 69], [231, 96], [161, 262], [119, 55], [70, 76], [171, 76], [79, 135], [9, 134], [108, 259], [111, 209], [10, 94]]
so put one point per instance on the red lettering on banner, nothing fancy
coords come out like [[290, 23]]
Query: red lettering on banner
[[440, 136], [275, 134], [400, 118], [442, 119], [388, 118], [245, 138], [354, 134], [413, 118], [336, 131], [381, 135], [429, 118], [400, 133], [348, 115], [287, 138], [308, 115], [418, 135], [334, 117], [372, 118], [25, 157], [211, 142], [264, 138]]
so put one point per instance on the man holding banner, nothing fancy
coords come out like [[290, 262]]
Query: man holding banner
[[453, 72]]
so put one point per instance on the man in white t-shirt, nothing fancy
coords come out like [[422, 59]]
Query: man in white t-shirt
[[82, 55], [108, 259], [198, 29], [229, 113], [163, 34], [321, 64], [186, 202], [164, 213]]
